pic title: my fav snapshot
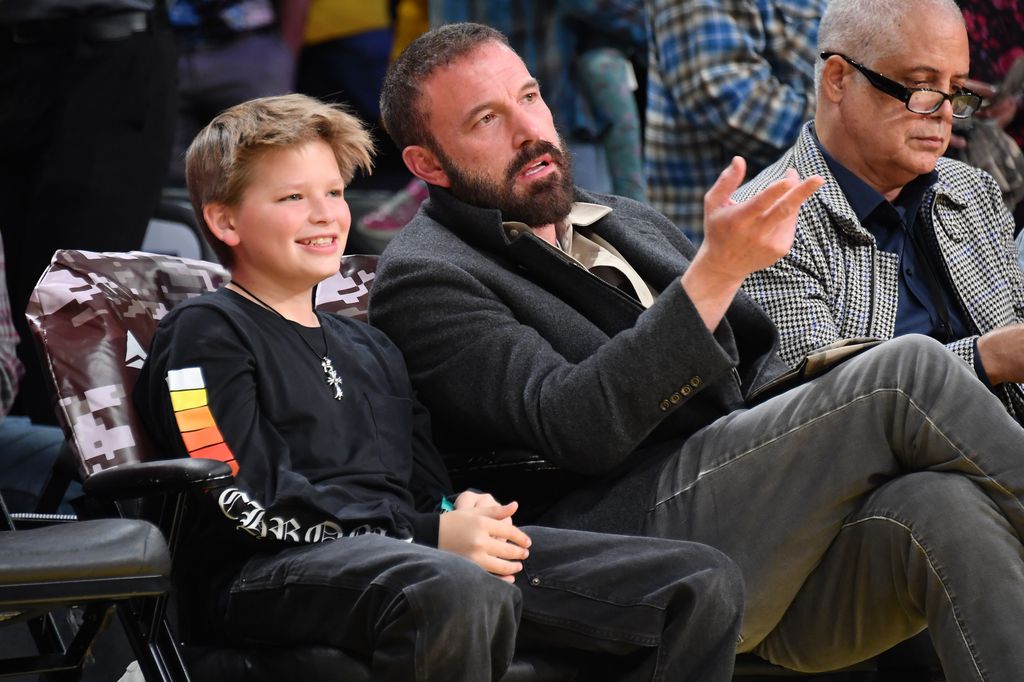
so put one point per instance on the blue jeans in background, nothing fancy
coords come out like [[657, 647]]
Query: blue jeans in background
[[28, 454]]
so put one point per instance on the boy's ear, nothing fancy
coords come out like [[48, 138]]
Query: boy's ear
[[424, 165], [220, 219]]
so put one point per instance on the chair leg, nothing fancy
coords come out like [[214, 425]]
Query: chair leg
[[6, 522], [155, 650], [94, 620], [54, 663], [171, 653], [45, 634]]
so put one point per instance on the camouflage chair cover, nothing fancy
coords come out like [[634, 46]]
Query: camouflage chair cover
[[348, 292], [93, 316]]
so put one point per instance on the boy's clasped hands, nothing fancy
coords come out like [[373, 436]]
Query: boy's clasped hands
[[481, 530]]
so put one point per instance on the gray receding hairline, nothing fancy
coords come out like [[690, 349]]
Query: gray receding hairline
[[868, 30]]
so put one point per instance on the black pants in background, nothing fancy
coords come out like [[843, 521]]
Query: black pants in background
[[86, 128]]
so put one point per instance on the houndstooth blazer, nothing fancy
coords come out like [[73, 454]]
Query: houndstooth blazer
[[835, 283]]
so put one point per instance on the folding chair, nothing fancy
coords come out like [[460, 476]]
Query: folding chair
[[93, 315], [100, 566]]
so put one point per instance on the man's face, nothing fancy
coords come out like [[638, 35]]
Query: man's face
[[881, 141], [495, 139]]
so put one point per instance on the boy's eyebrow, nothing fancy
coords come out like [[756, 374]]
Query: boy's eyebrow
[[531, 84], [298, 184]]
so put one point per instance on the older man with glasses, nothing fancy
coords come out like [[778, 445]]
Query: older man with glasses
[[899, 239]]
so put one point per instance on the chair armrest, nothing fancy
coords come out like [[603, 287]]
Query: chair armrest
[[141, 479]]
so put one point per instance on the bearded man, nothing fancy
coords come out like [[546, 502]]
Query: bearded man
[[861, 506]]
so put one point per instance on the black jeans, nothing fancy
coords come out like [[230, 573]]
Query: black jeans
[[658, 610]]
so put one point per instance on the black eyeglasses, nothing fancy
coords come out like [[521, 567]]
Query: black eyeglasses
[[918, 100]]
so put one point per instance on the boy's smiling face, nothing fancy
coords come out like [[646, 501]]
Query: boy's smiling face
[[290, 227]]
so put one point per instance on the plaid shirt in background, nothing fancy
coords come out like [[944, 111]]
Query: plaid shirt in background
[[10, 367], [726, 77]]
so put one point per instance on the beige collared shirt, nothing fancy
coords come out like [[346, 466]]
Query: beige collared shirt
[[594, 254]]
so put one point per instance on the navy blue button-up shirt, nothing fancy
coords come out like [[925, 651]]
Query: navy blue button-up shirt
[[892, 225]]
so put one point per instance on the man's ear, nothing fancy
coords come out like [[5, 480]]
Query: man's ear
[[424, 164], [834, 79], [219, 217]]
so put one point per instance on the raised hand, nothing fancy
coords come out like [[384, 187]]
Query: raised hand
[[741, 238]]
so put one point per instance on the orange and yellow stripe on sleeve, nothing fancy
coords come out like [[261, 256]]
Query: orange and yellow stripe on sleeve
[[191, 408]]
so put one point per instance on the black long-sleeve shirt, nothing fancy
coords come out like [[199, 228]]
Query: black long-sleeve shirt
[[229, 379]]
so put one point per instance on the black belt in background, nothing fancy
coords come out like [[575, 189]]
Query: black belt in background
[[104, 28]]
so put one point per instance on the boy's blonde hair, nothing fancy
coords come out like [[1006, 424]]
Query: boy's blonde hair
[[220, 161]]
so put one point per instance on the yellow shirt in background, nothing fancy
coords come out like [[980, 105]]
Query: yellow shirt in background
[[331, 19], [412, 19]]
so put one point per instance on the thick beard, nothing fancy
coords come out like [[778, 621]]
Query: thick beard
[[546, 201]]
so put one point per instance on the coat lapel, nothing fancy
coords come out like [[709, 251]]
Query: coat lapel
[[606, 307]]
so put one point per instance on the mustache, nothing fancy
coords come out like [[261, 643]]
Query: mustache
[[530, 152]]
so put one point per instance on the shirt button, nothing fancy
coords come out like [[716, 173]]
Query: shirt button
[[513, 233], [664, 405], [909, 272]]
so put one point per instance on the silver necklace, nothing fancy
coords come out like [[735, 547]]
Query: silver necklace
[[331, 375]]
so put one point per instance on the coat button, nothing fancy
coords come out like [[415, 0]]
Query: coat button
[[535, 581], [695, 382], [664, 405], [686, 390], [675, 398]]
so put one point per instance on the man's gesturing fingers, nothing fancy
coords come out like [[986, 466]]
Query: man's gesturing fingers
[[780, 199], [786, 206], [728, 181]]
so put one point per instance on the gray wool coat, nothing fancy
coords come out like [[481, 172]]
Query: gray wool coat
[[511, 344]]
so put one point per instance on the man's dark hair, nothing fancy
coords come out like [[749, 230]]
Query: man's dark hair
[[404, 118]]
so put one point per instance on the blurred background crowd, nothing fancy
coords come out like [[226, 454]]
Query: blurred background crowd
[[102, 97]]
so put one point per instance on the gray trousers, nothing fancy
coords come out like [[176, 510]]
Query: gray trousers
[[862, 507]]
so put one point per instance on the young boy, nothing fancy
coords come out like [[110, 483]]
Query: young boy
[[334, 530]]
